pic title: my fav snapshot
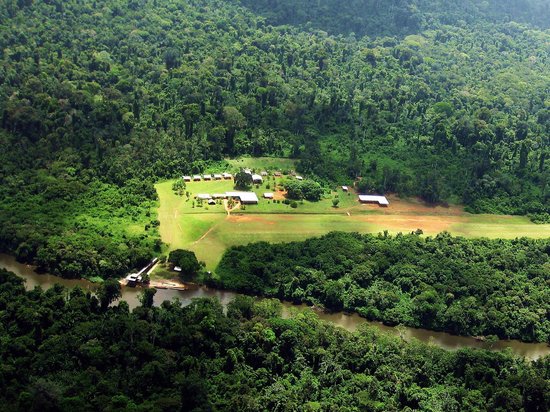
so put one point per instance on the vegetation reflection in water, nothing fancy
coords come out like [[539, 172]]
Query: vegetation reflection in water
[[349, 322]]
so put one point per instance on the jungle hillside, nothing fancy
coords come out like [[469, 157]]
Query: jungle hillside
[[101, 99]]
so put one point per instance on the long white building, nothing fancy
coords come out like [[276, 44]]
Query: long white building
[[381, 200]]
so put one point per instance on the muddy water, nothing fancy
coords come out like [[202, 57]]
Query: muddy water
[[349, 322]]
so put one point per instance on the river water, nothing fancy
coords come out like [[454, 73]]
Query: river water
[[350, 322]]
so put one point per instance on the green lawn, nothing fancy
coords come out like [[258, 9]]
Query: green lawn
[[209, 232], [262, 163], [186, 204]]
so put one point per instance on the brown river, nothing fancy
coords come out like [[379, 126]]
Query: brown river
[[350, 322]]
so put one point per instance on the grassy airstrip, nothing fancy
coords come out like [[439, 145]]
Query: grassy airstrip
[[209, 231]]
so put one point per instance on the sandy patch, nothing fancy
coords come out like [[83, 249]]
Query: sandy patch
[[279, 195], [410, 206], [409, 223], [417, 206], [236, 206], [249, 219], [288, 216], [167, 284]]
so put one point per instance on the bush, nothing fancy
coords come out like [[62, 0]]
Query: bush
[[186, 260], [294, 204]]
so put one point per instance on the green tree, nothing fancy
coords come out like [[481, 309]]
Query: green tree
[[243, 180], [147, 297], [186, 260], [108, 292]]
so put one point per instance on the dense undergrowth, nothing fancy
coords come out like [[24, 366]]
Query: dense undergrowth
[[66, 351], [463, 286]]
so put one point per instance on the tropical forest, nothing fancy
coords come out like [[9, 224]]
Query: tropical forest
[[274, 205]]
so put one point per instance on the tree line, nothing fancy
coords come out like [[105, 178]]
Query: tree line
[[396, 17], [462, 286]]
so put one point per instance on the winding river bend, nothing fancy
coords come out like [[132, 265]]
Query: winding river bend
[[350, 322]]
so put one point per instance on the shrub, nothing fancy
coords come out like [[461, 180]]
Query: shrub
[[186, 260], [305, 189]]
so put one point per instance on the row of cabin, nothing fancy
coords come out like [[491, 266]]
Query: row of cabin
[[207, 177], [258, 178], [262, 173]]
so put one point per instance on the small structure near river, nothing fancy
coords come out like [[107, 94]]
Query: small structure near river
[[135, 279]]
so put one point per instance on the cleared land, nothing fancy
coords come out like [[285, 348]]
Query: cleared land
[[210, 231]]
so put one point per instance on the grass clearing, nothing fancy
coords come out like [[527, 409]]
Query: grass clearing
[[184, 204], [209, 232], [262, 163]]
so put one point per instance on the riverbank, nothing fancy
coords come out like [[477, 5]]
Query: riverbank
[[350, 322], [159, 282], [168, 284]]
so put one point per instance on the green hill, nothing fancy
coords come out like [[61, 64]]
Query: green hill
[[397, 17], [99, 99]]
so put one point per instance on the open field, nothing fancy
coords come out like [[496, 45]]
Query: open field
[[348, 202], [210, 232]]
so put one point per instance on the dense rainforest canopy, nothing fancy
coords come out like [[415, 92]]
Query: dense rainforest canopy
[[64, 350], [469, 287], [99, 98], [397, 17]]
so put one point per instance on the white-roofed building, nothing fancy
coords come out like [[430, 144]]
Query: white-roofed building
[[299, 177], [345, 188], [218, 196], [207, 177], [218, 176], [197, 178], [381, 200], [133, 279], [264, 173], [203, 196], [268, 195], [227, 175], [186, 178], [257, 179], [244, 197]]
